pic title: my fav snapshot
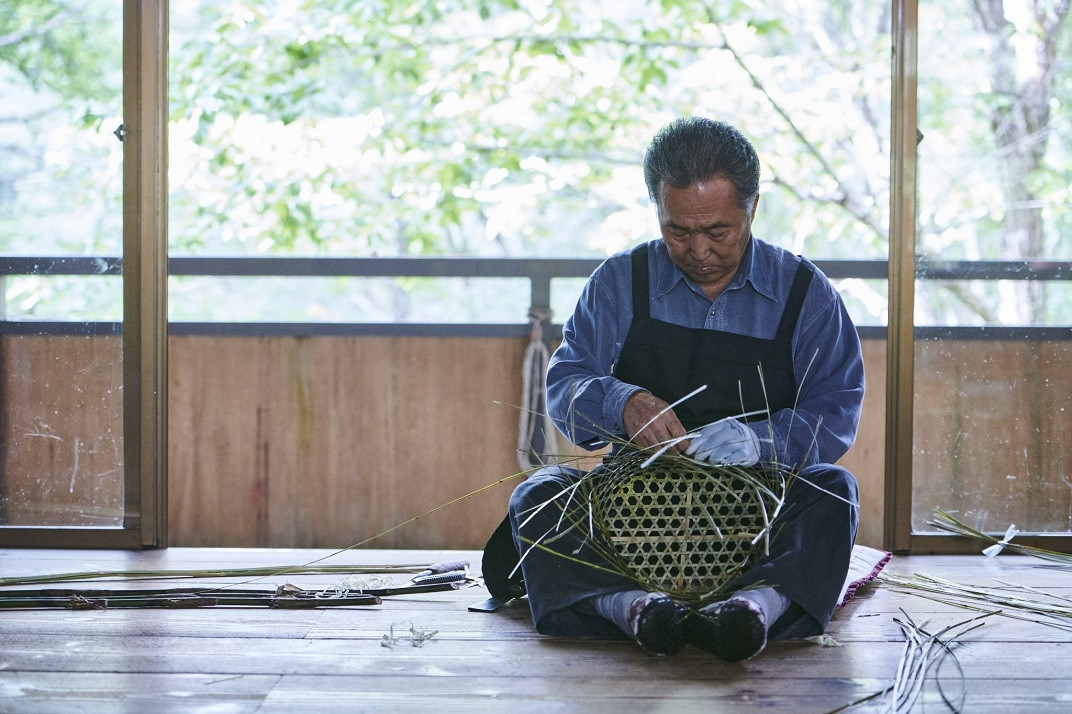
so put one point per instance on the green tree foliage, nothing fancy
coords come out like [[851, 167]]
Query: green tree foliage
[[60, 78], [60, 167], [510, 128], [59, 46], [994, 168]]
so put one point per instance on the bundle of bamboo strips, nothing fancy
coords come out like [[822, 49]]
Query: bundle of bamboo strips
[[946, 521], [1030, 605], [923, 655]]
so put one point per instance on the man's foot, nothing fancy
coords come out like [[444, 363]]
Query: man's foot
[[733, 630], [657, 623]]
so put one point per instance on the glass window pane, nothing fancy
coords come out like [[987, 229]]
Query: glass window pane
[[993, 362], [505, 129], [61, 440]]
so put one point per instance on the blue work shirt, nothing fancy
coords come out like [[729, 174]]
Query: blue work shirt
[[586, 401]]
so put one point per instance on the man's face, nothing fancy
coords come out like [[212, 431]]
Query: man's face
[[705, 231]]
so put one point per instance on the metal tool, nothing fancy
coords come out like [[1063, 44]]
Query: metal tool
[[452, 571]]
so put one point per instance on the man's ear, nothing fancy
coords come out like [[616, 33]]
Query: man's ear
[[755, 205]]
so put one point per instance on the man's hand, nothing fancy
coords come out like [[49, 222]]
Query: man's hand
[[641, 408], [727, 441]]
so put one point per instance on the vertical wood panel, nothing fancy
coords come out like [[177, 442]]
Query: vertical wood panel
[[328, 441], [1054, 409], [990, 430]]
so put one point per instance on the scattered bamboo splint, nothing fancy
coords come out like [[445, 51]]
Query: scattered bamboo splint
[[269, 571], [285, 596]]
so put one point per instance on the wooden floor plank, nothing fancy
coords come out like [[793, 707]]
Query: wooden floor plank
[[128, 692], [462, 660], [261, 660]]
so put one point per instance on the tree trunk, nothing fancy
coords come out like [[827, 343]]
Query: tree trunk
[[1019, 121]]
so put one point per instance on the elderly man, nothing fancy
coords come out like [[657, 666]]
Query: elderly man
[[707, 305]]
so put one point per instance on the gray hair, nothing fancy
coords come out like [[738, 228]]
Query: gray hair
[[694, 149]]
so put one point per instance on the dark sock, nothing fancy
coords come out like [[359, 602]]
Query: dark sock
[[654, 620], [736, 629]]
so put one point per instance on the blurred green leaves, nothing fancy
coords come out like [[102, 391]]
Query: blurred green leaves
[[422, 122]]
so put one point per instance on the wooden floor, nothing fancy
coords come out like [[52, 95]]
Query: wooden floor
[[261, 660]]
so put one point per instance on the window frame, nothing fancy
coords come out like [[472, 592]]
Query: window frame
[[899, 536], [144, 137]]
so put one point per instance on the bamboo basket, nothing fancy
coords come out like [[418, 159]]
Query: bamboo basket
[[680, 526]]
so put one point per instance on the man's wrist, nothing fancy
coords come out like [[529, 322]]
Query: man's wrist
[[614, 406]]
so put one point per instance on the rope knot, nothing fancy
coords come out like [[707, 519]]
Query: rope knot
[[537, 317], [993, 550]]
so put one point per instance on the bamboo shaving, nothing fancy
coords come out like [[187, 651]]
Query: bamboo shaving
[[407, 632], [369, 582], [922, 657]]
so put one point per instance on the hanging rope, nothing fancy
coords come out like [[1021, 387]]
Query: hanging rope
[[536, 434]]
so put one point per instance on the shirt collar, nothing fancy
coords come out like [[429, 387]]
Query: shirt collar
[[756, 268]]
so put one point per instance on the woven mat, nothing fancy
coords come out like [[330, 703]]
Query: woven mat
[[864, 566]]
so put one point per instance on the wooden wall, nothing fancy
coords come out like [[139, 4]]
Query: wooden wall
[[328, 441]]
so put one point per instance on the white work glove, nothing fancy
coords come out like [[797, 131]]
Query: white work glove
[[727, 441]]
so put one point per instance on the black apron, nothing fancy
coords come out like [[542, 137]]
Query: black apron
[[671, 361]]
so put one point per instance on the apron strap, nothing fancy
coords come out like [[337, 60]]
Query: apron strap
[[641, 307], [795, 302]]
